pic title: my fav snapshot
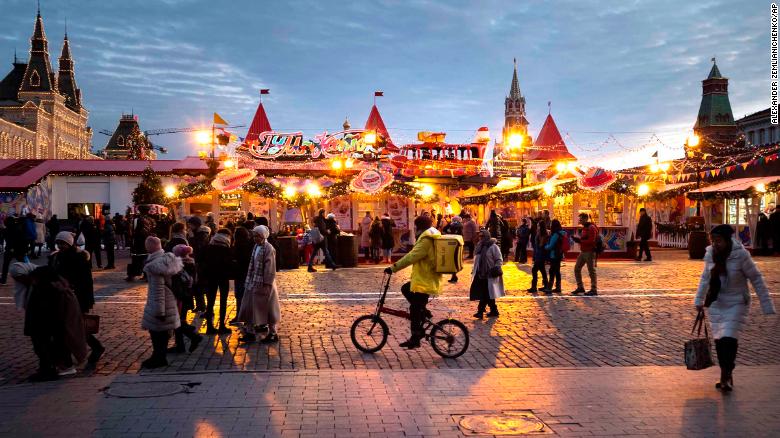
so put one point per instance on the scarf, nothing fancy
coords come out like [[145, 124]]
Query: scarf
[[719, 269], [483, 268], [256, 270]]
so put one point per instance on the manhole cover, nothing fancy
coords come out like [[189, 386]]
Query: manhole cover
[[505, 423], [145, 389]]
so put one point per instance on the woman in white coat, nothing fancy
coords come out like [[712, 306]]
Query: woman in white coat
[[723, 289], [487, 281], [260, 304], [161, 314]]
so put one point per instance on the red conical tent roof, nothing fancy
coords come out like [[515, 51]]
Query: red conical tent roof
[[375, 123], [550, 144], [259, 125]]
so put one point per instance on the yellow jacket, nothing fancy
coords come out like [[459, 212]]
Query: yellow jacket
[[421, 257]]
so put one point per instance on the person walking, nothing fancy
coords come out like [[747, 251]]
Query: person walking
[[774, 223], [216, 267], [260, 304], [160, 312], [587, 240], [365, 234], [644, 230], [198, 237], [243, 245], [109, 243], [493, 225], [455, 227], [763, 234], [539, 256], [142, 228], [320, 225], [332, 235], [425, 280], [178, 236], [91, 234], [181, 286], [376, 239], [40, 235], [470, 234], [73, 264], [388, 238], [555, 253], [523, 234], [52, 228], [15, 245], [487, 281], [724, 291]]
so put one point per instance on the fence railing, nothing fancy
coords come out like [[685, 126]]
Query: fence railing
[[676, 240]]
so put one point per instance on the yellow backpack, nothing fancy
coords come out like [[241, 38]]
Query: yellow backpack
[[448, 253]]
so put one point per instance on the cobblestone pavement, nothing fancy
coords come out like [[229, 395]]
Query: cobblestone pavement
[[641, 317], [582, 402]]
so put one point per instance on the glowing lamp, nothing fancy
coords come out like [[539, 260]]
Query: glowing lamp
[[692, 140], [426, 191], [336, 165], [549, 188], [229, 163], [202, 154], [203, 137], [643, 190], [663, 167], [313, 190], [289, 192], [170, 191], [761, 188], [654, 167], [369, 137], [515, 141], [560, 167], [348, 163]]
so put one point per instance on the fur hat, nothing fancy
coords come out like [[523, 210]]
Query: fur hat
[[723, 230], [194, 220], [182, 250], [64, 236], [262, 230]]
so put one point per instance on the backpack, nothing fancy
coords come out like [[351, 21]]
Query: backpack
[[448, 253], [563, 245], [599, 246], [181, 285]]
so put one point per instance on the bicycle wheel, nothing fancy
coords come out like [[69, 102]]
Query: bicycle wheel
[[369, 333], [449, 338]]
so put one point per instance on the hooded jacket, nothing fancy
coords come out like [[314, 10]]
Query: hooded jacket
[[75, 266], [160, 301], [425, 279], [217, 259]]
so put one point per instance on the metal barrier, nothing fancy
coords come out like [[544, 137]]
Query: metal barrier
[[676, 240]]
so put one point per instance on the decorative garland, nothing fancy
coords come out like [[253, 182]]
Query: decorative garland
[[669, 194]]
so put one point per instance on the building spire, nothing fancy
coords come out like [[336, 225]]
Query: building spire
[[38, 75], [514, 91]]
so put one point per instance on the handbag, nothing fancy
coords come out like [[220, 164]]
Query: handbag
[[91, 324], [698, 354], [495, 271], [315, 236]]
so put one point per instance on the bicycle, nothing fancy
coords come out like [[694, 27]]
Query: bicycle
[[448, 337]]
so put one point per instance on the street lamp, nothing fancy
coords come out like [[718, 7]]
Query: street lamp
[[691, 151], [516, 141]]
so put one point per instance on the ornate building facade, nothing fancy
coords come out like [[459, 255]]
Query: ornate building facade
[[41, 113], [515, 121]]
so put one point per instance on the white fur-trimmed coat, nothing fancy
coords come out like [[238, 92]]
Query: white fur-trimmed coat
[[160, 301], [729, 312]]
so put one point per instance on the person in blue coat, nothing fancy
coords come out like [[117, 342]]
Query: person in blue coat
[[540, 256], [554, 250]]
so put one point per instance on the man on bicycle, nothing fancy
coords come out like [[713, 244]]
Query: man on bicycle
[[425, 281]]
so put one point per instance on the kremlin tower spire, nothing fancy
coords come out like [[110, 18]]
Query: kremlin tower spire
[[715, 121], [38, 75], [514, 110]]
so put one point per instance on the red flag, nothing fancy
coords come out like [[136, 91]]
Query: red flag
[[265, 91], [379, 93]]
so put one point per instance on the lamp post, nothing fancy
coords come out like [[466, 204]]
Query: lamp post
[[691, 150]]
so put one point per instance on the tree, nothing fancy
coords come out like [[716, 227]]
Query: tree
[[150, 189]]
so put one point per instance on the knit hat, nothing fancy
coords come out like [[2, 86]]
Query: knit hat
[[64, 236], [262, 230], [331, 216], [194, 220], [182, 250], [723, 230]]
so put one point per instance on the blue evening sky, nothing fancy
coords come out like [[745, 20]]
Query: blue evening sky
[[616, 67]]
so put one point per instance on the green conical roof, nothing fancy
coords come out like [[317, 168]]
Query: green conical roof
[[714, 72]]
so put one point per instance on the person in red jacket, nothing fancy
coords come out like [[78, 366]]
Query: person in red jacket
[[587, 241]]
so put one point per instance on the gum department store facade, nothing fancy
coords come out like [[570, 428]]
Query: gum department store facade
[[41, 112]]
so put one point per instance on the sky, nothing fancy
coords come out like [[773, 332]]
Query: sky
[[623, 77]]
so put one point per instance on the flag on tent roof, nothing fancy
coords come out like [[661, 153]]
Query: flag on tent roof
[[219, 120]]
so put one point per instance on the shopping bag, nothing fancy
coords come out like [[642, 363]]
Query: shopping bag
[[91, 323], [698, 354]]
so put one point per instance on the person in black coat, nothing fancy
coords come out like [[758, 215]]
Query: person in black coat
[[199, 236], [73, 265], [332, 229], [178, 236], [143, 226], [320, 224], [523, 234], [109, 242], [388, 240], [494, 226], [242, 254], [91, 239], [763, 234], [216, 267], [644, 230], [774, 224], [15, 244], [53, 227]]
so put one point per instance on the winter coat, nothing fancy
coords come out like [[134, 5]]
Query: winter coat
[[75, 266], [494, 226], [200, 241], [470, 231], [176, 239], [91, 235], [29, 229], [40, 232], [143, 228], [388, 240], [376, 234], [552, 248], [53, 311], [538, 244], [425, 279], [242, 254], [495, 285], [644, 229], [365, 231], [588, 237], [109, 236], [454, 228], [217, 259], [729, 312], [160, 302], [333, 232], [260, 304]]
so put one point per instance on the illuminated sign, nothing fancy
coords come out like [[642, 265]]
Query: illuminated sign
[[350, 143], [371, 181], [232, 179]]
